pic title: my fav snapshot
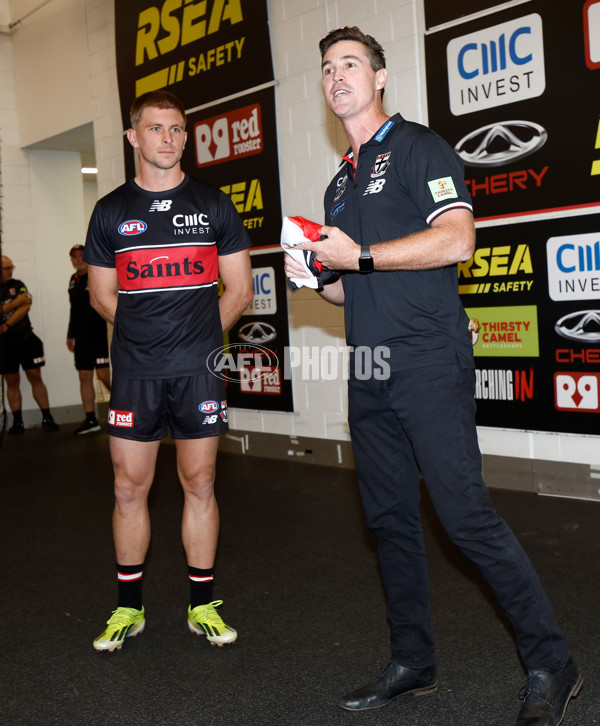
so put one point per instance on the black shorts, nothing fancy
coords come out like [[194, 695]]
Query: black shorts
[[27, 351], [191, 407], [90, 354]]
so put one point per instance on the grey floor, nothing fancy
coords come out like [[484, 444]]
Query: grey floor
[[298, 574]]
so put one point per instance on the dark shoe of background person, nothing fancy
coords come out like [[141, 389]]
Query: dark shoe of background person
[[547, 695], [395, 680], [49, 424], [17, 428], [87, 427]]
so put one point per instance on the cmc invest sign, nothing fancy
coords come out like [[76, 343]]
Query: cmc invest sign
[[496, 66], [574, 267]]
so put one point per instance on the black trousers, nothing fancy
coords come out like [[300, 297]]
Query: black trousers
[[423, 421]]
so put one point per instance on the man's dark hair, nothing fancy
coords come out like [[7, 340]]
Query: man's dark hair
[[154, 99], [374, 49]]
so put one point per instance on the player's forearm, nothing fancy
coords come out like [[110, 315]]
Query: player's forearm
[[231, 305], [105, 305]]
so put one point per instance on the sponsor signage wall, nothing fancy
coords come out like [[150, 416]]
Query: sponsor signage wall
[[233, 146], [258, 343], [532, 293], [510, 90], [200, 50]]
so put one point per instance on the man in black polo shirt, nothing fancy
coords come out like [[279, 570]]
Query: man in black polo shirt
[[398, 219], [20, 347]]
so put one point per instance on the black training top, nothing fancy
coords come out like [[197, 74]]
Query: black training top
[[84, 322], [405, 177], [165, 247], [8, 292]]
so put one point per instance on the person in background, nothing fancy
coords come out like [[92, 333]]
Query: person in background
[[20, 348], [87, 339], [398, 220], [161, 291]]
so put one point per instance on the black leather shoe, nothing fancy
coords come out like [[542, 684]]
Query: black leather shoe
[[546, 695], [395, 680]]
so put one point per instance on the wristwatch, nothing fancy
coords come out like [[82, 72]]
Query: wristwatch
[[365, 261]]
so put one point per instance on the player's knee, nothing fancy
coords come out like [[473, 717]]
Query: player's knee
[[201, 486], [129, 491]]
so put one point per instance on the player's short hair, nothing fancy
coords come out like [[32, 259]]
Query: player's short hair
[[154, 99], [374, 49]]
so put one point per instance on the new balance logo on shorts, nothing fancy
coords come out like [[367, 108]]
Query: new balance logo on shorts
[[120, 418]]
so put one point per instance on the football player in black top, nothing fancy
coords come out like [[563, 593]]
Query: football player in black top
[[156, 248], [87, 340]]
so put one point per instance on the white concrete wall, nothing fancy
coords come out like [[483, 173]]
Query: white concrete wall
[[310, 142], [42, 191], [104, 93], [58, 223], [51, 68]]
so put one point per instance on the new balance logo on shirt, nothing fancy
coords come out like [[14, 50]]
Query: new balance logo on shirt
[[161, 205], [374, 187]]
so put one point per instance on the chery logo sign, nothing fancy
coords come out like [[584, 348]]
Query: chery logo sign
[[257, 332], [501, 143], [582, 326]]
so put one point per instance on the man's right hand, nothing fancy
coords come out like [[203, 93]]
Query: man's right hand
[[293, 268]]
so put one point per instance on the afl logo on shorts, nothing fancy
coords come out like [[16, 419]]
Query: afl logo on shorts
[[208, 407], [132, 227]]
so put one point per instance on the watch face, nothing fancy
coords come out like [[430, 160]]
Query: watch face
[[365, 264]]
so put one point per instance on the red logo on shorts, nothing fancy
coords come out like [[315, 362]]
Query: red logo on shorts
[[120, 418]]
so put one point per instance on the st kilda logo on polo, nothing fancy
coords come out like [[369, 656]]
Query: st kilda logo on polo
[[381, 164], [145, 269]]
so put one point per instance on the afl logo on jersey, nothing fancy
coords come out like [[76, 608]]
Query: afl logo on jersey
[[208, 406], [132, 227]]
